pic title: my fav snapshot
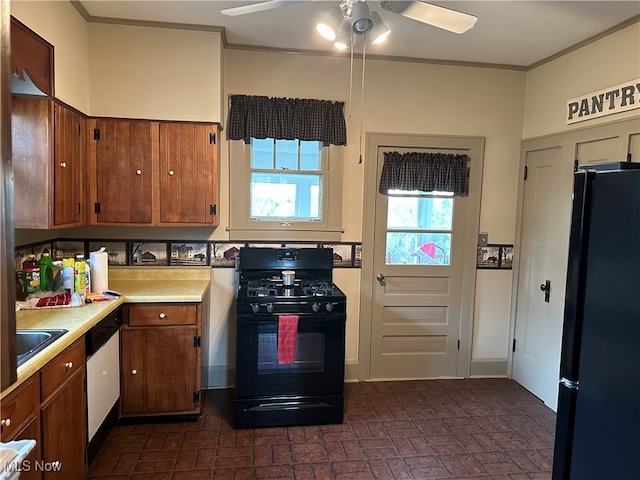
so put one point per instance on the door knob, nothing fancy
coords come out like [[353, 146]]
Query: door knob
[[380, 278], [546, 288]]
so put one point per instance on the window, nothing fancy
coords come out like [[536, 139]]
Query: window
[[419, 227], [285, 190], [286, 180]]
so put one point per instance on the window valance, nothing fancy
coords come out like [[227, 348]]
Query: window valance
[[425, 172], [286, 119]]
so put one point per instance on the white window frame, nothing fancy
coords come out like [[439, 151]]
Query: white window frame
[[242, 227]]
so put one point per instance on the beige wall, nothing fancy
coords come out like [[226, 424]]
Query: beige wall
[[61, 25], [410, 98], [610, 61], [154, 73]]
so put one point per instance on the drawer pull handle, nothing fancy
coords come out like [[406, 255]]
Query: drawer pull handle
[[171, 172], [162, 316], [63, 164], [68, 365], [6, 422], [134, 372], [138, 172]]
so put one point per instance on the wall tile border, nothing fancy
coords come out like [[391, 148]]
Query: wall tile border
[[146, 253]]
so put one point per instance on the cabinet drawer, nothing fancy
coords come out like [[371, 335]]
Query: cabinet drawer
[[62, 367], [18, 406], [141, 315]]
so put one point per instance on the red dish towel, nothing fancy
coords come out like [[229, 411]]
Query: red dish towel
[[287, 338], [60, 300]]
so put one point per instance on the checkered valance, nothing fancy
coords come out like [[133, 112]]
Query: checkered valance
[[425, 172], [286, 118]]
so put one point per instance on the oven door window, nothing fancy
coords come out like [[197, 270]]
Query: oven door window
[[309, 357]]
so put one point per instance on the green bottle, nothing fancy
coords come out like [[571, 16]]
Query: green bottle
[[46, 271]]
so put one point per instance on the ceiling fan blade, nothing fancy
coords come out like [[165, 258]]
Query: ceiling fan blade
[[257, 7], [440, 17]]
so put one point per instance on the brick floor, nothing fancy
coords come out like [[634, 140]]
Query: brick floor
[[426, 429]]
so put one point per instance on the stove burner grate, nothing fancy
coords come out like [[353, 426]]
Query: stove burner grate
[[317, 289]]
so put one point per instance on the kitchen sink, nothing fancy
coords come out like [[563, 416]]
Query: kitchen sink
[[30, 342]]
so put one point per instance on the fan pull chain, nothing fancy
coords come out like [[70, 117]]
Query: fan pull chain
[[351, 78], [364, 53]]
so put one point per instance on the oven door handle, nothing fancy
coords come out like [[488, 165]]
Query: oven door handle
[[287, 406]]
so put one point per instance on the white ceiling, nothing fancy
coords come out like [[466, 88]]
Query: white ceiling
[[511, 33]]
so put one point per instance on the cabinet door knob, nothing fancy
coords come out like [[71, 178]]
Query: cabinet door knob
[[171, 173], [6, 422], [68, 365], [162, 316], [63, 164], [138, 172], [134, 372]]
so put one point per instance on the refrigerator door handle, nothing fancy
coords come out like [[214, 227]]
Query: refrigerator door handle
[[570, 384]]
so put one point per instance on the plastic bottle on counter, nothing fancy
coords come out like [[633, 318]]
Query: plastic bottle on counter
[[80, 275], [87, 276], [31, 274], [46, 271], [68, 275]]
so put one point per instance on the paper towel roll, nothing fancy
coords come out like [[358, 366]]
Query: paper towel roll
[[99, 264]]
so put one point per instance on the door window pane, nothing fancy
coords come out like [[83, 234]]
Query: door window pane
[[418, 248], [419, 228], [424, 213]]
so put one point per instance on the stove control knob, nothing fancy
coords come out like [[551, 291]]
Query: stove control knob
[[270, 307], [329, 307], [315, 307], [255, 307]]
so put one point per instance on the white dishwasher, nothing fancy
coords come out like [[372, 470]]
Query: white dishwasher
[[103, 373]]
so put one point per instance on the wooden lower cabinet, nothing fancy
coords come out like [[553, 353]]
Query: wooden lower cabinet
[[21, 421], [63, 414], [160, 360], [31, 467], [50, 408]]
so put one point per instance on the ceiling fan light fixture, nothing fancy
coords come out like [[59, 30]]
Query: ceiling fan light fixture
[[343, 36], [380, 30], [328, 25], [361, 21]]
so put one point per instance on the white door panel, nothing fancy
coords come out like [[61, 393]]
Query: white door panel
[[545, 239], [417, 300]]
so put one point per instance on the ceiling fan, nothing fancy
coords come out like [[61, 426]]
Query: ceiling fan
[[441, 17]]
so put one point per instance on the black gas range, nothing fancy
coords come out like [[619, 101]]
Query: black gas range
[[262, 289], [304, 296], [288, 290]]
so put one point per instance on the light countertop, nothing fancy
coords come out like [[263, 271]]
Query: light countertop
[[136, 284]]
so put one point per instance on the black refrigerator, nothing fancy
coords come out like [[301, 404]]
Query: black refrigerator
[[598, 416]]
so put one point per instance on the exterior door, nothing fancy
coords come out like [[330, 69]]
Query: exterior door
[[546, 220], [422, 241]]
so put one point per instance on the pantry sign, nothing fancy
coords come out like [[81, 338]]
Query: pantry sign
[[620, 98]]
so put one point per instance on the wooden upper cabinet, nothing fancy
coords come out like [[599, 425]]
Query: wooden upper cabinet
[[188, 173], [69, 154], [121, 171], [48, 154], [33, 55], [145, 172]]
